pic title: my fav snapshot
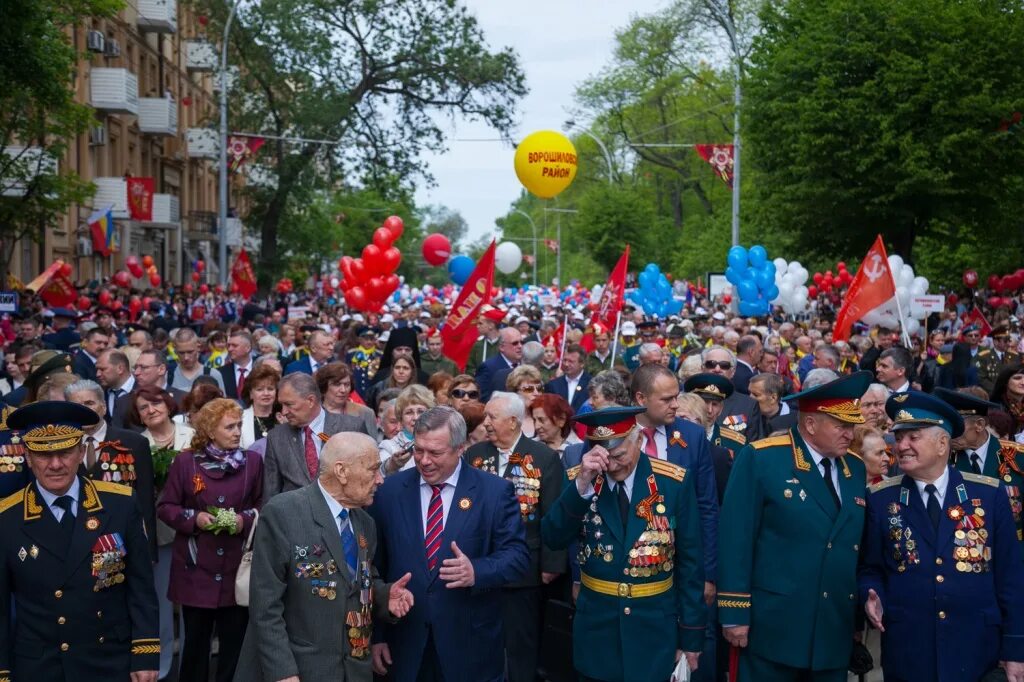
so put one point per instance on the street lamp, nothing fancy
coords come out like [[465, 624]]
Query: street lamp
[[222, 246], [571, 124], [534, 226]]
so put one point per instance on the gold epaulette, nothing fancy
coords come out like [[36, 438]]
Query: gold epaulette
[[573, 472], [116, 488], [887, 483], [983, 353], [660, 466], [978, 478], [854, 454], [12, 501], [1019, 447], [733, 435], [772, 442]]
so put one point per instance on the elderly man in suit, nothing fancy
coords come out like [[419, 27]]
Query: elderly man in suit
[[739, 411], [321, 351], [293, 451], [536, 472], [314, 588], [572, 385], [459, 532], [234, 372], [508, 357]]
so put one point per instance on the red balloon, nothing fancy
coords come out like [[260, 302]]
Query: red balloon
[[134, 305], [116, 305], [841, 265], [812, 291], [147, 261], [391, 259], [436, 249], [993, 281], [133, 265], [345, 267], [727, 299], [195, 276], [360, 273], [391, 284], [952, 299], [103, 297], [220, 290], [372, 260], [375, 288], [84, 302], [395, 225], [356, 298], [122, 279], [154, 279], [994, 301], [818, 277], [66, 269], [970, 278], [204, 289], [383, 238], [187, 288], [200, 265]]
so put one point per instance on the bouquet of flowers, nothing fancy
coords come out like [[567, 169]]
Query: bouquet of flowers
[[223, 520], [162, 458]]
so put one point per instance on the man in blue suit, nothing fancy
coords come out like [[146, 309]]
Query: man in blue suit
[[940, 572], [509, 355], [458, 531], [572, 385], [321, 352]]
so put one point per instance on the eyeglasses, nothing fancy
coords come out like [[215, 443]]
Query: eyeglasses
[[720, 364], [530, 388], [514, 343], [461, 393], [142, 367]]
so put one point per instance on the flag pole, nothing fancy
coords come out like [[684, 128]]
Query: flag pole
[[615, 342], [899, 311], [565, 335]]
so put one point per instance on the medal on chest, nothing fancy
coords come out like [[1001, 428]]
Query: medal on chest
[[592, 532], [525, 478], [970, 538], [654, 550]]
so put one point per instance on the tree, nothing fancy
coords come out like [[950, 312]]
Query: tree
[[38, 116], [869, 115], [446, 221], [370, 75]]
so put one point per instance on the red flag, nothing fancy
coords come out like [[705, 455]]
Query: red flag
[[242, 274], [872, 287], [140, 198], [240, 149], [975, 316], [720, 157], [458, 334], [558, 338], [53, 287], [607, 311]]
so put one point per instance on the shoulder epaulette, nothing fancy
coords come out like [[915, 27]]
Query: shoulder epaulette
[[1011, 444], [12, 501], [116, 488], [887, 483], [772, 442], [982, 353], [854, 454], [669, 469], [573, 472], [733, 435], [978, 478]]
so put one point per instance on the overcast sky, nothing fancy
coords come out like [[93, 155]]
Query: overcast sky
[[560, 43]]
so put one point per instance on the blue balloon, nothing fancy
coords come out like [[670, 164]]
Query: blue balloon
[[747, 290], [748, 308], [737, 257], [652, 268], [650, 307], [748, 273], [460, 268], [758, 256], [764, 279], [397, 297], [772, 293], [644, 279], [664, 288], [732, 274]]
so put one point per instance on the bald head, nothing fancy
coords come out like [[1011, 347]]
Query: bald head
[[350, 469]]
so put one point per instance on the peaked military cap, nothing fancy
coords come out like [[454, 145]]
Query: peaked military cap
[[917, 410], [839, 398], [709, 386], [51, 425], [967, 405], [609, 425]]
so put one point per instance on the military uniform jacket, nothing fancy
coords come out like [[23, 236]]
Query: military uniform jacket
[[84, 612], [595, 365], [989, 365], [621, 637], [952, 599], [788, 558], [481, 351], [537, 476], [1004, 460]]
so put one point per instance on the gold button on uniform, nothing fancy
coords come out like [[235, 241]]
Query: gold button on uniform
[[58, 594], [64, 646], [101, 640], [829, 545], [851, 597], [99, 614], [61, 620], [939, 579], [942, 615], [856, 548], [824, 595], [938, 561], [626, 611]]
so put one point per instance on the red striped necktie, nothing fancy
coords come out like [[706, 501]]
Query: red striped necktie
[[435, 526]]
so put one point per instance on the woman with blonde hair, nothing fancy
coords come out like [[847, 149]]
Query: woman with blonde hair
[[396, 453], [525, 381]]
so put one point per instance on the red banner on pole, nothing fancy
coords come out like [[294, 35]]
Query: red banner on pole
[[720, 156], [975, 316], [607, 309], [872, 287], [140, 198], [53, 287], [458, 333], [242, 274], [241, 149]]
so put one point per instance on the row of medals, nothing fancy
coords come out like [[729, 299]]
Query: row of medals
[[12, 463], [653, 552], [528, 493], [122, 467], [361, 622], [106, 568], [970, 537], [325, 589]]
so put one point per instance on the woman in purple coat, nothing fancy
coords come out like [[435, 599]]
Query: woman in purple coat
[[212, 493]]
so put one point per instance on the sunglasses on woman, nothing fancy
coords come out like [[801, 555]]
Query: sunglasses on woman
[[462, 393]]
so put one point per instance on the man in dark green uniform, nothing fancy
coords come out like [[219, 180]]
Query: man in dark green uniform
[[434, 360], [714, 389], [486, 345], [601, 359], [74, 563], [640, 608], [789, 537], [991, 361], [978, 451]]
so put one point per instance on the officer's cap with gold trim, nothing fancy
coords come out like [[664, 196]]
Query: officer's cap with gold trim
[[709, 386], [917, 410], [610, 425], [45, 363], [967, 405], [839, 398], [51, 425]]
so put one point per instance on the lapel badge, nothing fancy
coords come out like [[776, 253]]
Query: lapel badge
[[803, 495], [860, 501], [465, 503], [362, 541], [660, 508], [301, 552], [794, 481], [787, 493], [318, 550], [92, 523], [478, 462], [22, 554], [33, 551]]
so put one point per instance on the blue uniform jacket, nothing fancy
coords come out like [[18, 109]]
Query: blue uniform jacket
[[944, 622], [301, 365], [484, 521]]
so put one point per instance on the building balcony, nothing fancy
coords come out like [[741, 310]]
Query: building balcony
[[200, 55], [166, 212], [111, 192], [21, 165], [158, 16], [158, 116], [114, 90], [203, 143]]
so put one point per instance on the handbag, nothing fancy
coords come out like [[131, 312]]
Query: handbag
[[245, 566]]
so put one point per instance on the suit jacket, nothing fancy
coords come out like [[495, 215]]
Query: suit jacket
[[284, 463], [228, 372], [301, 365], [466, 623], [83, 366], [485, 376], [292, 630], [560, 386], [741, 378], [695, 457], [123, 407], [545, 460], [111, 625], [134, 452]]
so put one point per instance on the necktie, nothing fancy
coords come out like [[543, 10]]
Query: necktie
[[348, 540], [934, 511], [312, 458], [241, 379], [90, 452], [67, 520], [650, 447], [435, 526], [114, 395], [975, 460], [623, 500], [827, 464]]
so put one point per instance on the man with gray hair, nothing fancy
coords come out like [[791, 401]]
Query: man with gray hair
[[458, 530], [292, 458], [650, 354], [536, 472], [739, 410], [872, 406]]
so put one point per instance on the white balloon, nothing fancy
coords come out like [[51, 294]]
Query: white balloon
[[780, 264], [906, 277], [334, 282], [872, 317], [799, 304], [920, 286], [903, 294], [794, 266], [802, 275], [785, 291], [911, 326], [895, 263], [508, 257]]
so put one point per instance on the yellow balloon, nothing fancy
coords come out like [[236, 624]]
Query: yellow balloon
[[546, 163]]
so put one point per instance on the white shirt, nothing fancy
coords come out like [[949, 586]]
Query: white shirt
[[573, 385], [335, 508], [940, 487], [317, 426], [821, 469], [660, 441], [447, 495], [981, 451], [505, 455], [49, 498], [902, 389], [238, 372], [613, 485], [96, 438]]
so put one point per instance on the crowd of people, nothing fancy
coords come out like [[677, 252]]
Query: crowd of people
[[751, 496]]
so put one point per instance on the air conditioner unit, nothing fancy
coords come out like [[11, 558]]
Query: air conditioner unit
[[97, 135], [112, 48], [94, 41]]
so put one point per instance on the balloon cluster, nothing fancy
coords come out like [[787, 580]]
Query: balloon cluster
[[1007, 283], [368, 281], [907, 285], [753, 275], [791, 278], [654, 295], [137, 268], [827, 282], [284, 286]]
